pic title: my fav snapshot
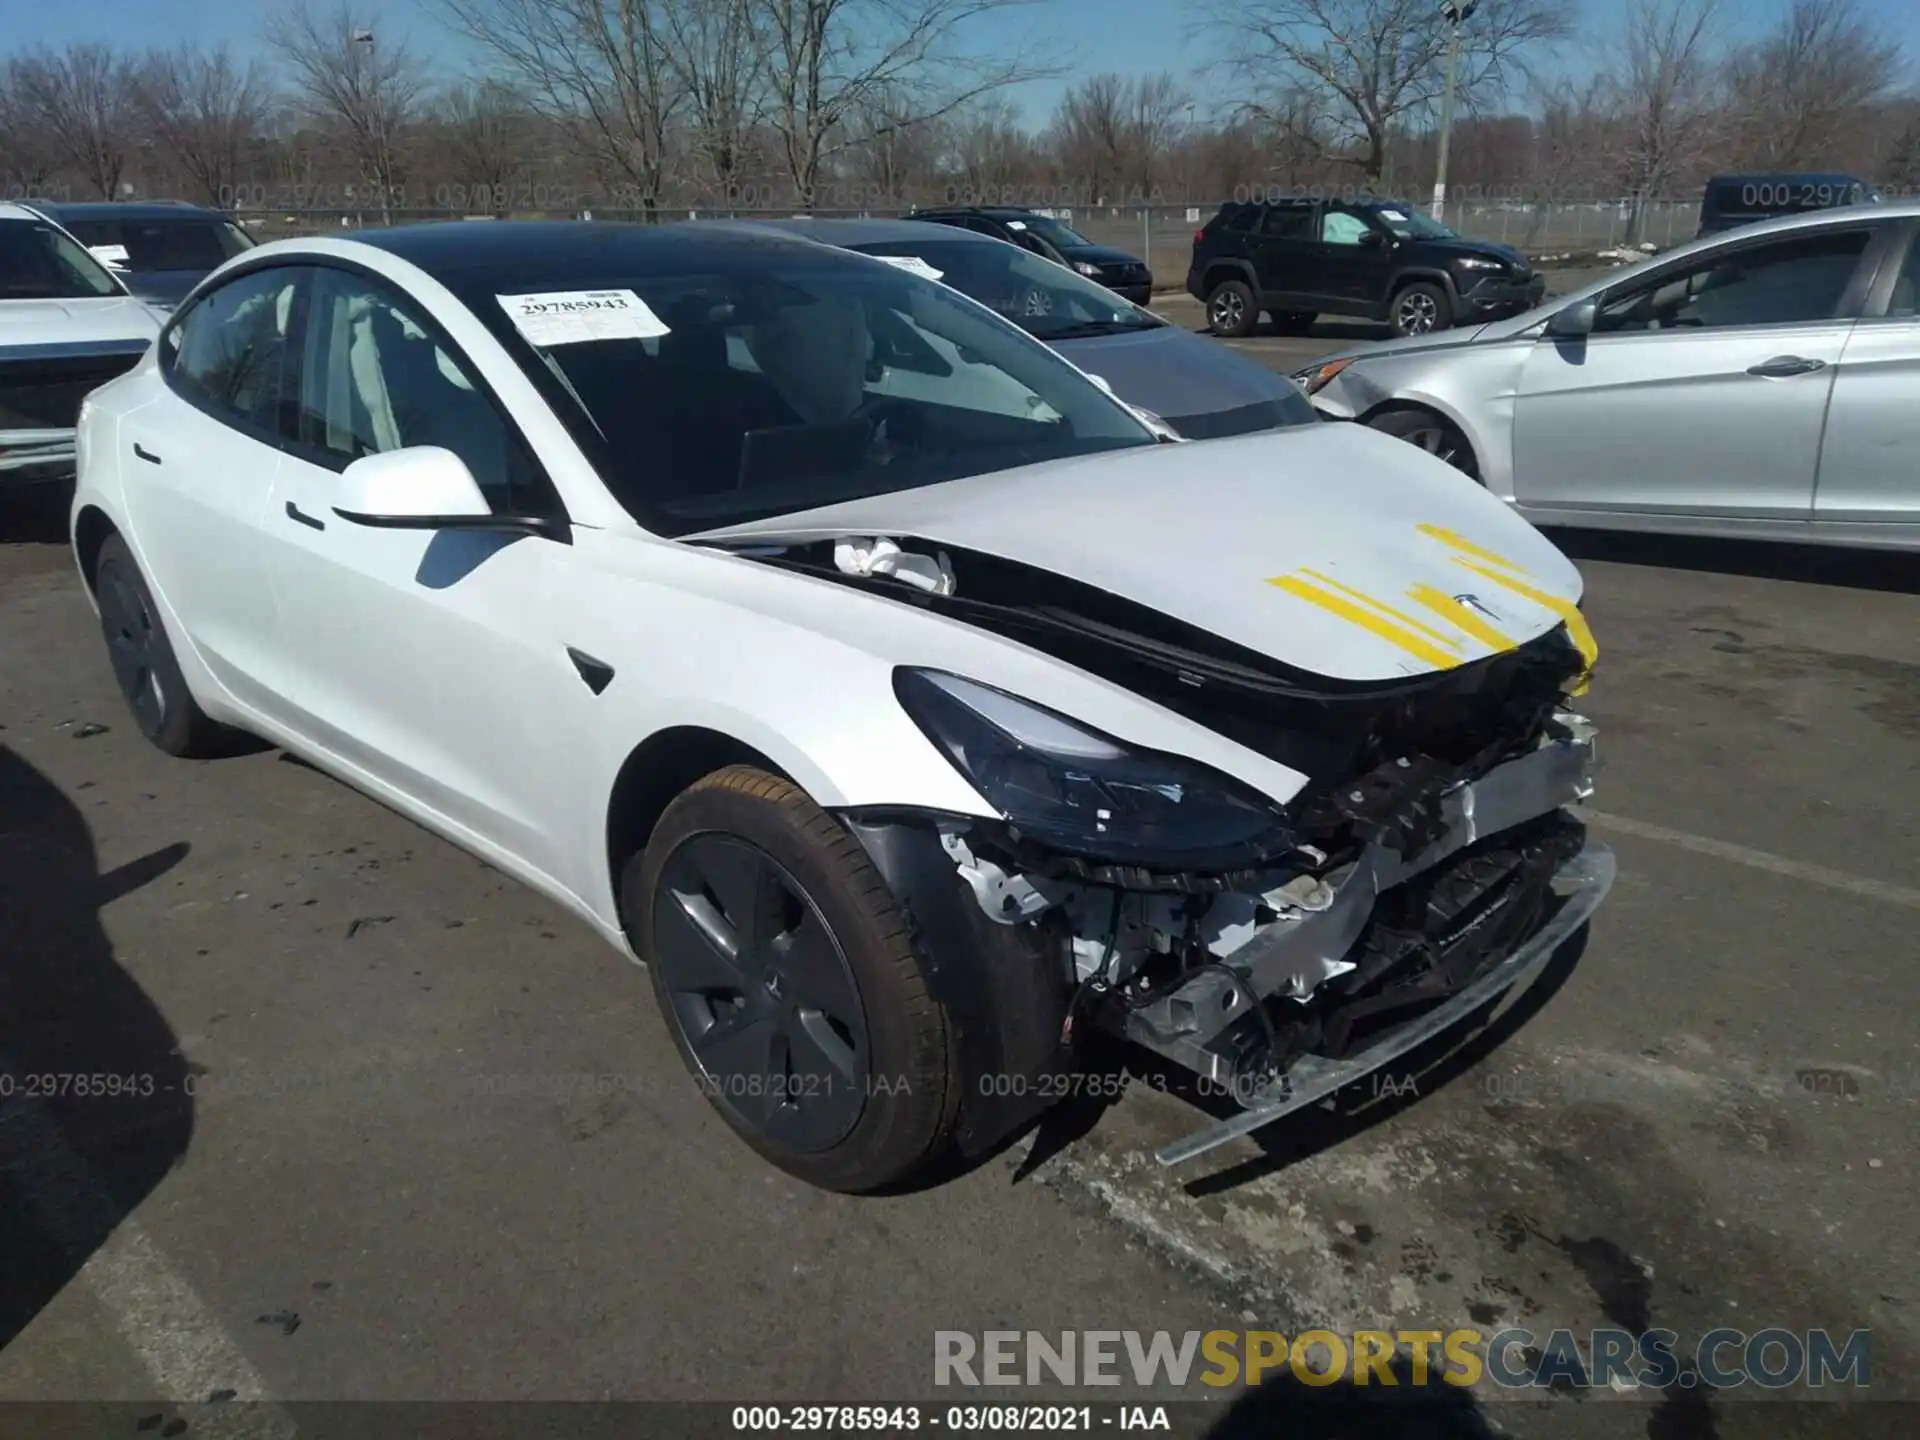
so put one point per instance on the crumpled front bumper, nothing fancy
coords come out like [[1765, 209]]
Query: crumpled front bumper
[[1292, 957]]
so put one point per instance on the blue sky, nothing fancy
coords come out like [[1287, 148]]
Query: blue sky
[[1088, 35]]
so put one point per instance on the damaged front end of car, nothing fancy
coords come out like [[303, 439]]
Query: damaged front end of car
[[1279, 952]]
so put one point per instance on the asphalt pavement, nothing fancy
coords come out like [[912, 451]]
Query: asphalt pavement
[[388, 1126]]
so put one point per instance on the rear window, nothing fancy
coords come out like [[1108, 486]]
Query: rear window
[[149, 246], [37, 262]]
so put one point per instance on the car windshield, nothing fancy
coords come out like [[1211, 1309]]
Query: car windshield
[[1056, 233], [1412, 225], [38, 262], [1048, 301], [147, 247], [783, 380]]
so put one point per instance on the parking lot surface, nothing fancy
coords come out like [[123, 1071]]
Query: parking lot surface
[[406, 1131]]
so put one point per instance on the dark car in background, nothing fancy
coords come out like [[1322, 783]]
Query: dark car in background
[[1126, 275], [1376, 259], [1731, 201], [1203, 390], [161, 250]]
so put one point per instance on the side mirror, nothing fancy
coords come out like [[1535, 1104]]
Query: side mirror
[[425, 487], [1575, 321], [1372, 240]]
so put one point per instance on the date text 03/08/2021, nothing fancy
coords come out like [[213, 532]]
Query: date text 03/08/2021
[[963, 1419]]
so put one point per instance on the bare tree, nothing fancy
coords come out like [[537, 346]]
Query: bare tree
[[1154, 106], [30, 152], [718, 63], [825, 57], [1090, 134], [1375, 64], [203, 111], [601, 69], [368, 92], [888, 148], [1666, 103], [485, 130], [992, 152], [83, 98], [1805, 85]]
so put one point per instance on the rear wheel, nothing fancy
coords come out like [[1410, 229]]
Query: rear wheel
[[1432, 432], [144, 665], [1232, 310], [791, 984]]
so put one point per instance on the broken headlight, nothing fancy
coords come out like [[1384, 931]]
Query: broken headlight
[[1057, 782]]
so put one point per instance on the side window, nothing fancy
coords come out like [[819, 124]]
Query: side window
[[374, 378], [1338, 227], [1904, 303], [229, 352], [1287, 222], [1787, 282], [1243, 219]]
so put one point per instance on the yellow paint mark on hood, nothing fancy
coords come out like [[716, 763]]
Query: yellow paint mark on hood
[[1454, 541], [1448, 608], [1354, 613]]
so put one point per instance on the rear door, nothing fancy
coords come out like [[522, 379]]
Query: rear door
[[1703, 388], [1869, 470], [202, 458], [1288, 256]]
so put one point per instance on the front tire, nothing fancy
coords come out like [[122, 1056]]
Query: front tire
[[144, 665], [1431, 432], [790, 982], [1232, 310], [1420, 309]]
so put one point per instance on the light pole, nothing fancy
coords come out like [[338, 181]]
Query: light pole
[[1455, 13]]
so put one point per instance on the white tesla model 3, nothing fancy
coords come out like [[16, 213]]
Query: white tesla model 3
[[906, 702]]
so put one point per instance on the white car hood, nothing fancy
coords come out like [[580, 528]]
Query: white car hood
[[1335, 550], [85, 321]]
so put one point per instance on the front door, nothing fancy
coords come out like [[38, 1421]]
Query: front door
[[431, 661], [1702, 389]]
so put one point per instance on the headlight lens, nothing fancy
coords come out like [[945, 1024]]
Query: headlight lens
[[1086, 267], [1072, 788], [1474, 262], [1316, 378]]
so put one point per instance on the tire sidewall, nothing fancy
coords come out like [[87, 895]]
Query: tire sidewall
[[178, 732], [902, 1115], [1249, 309], [1443, 312]]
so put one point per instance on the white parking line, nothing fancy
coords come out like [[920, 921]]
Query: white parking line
[[1760, 860], [185, 1351]]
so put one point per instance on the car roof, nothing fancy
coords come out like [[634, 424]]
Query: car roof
[[992, 212], [518, 257], [847, 233], [1744, 177], [129, 210]]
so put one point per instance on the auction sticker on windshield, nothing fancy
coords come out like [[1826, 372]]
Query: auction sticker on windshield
[[573, 317], [911, 263], [1393, 214]]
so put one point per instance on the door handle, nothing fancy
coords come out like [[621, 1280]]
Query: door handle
[[1782, 366], [145, 454], [294, 512]]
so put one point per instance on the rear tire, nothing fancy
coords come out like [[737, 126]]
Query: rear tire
[[1232, 310], [791, 984], [144, 665], [1431, 432]]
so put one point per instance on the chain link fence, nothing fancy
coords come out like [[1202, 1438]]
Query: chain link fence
[[1162, 235]]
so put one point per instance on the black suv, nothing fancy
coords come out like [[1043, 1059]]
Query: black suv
[[1381, 259], [1127, 275]]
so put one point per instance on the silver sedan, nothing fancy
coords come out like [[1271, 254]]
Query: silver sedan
[[1763, 383]]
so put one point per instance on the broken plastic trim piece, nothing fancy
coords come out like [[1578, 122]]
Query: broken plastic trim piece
[[1583, 882]]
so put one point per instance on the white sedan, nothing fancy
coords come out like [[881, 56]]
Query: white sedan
[[831, 645]]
